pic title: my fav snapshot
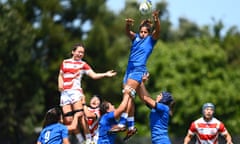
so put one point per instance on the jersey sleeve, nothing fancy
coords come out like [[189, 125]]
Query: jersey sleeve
[[86, 68], [61, 68], [161, 107], [39, 138], [64, 131], [222, 129], [192, 128]]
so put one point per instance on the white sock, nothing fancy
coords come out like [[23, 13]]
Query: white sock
[[79, 137], [88, 136]]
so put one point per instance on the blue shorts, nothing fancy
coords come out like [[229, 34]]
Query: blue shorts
[[135, 74]]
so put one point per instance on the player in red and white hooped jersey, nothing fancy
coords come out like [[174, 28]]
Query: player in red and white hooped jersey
[[69, 84], [72, 72], [207, 128], [93, 115]]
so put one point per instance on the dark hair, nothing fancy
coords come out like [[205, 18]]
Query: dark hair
[[104, 107], [74, 47], [168, 100], [77, 45], [171, 107], [52, 116], [146, 23]]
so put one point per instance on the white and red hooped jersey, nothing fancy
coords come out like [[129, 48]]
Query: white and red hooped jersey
[[207, 132], [73, 71], [93, 123]]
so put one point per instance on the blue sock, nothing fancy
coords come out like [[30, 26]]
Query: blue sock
[[130, 122], [123, 119]]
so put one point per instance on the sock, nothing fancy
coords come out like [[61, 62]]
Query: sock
[[123, 120], [79, 137], [130, 122], [88, 136]]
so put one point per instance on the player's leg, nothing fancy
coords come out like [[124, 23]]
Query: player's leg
[[131, 111], [78, 107], [67, 114], [67, 111], [125, 120]]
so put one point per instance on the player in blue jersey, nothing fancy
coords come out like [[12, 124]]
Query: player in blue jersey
[[161, 110], [109, 117], [54, 132], [142, 46]]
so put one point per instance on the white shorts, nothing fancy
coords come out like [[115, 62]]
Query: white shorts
[[70, 97]]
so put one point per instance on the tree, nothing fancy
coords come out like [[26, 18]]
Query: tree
[[195, 71], [190, 62], [21, 96]]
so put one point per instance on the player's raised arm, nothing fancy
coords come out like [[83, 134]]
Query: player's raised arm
[[129, 32], [156, 20]]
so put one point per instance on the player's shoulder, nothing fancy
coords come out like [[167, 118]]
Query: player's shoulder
[[215, 120], [199, 121], [69, 60]]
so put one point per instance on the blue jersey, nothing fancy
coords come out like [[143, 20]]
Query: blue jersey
[[105, 124], [53, 134], [159, 118], [140, 51]]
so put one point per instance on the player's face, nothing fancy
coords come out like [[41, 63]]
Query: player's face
[[208, 113], [111, 107], [94, 102], [78, 53], [143, 32], [159, 97]]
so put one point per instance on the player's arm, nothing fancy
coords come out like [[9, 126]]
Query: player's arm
[[228, 138], [121, 107], [156, 20], [187, 139], [95, 75], [74, 124], [60, 81], [144, 95], [129, 33], [66, 141]]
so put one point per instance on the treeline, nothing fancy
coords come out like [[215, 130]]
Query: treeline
[[197, 64]]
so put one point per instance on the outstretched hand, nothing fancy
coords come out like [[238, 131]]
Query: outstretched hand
[[110, 73]]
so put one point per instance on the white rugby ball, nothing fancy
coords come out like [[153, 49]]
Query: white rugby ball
[[145, 8]]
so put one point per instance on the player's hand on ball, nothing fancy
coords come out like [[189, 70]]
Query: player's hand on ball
[[129, 21], [155, 15]]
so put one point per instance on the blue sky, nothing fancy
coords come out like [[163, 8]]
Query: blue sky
[[198, 11]]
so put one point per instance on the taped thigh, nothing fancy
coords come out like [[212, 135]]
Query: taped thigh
[[79, 110], [131, 91], [71, 113]]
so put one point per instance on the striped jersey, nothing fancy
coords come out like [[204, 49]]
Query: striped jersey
[[93, 123], [73, 71], [207, 132]]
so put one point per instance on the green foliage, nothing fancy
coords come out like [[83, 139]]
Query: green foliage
[[195, 71], [190, 62], [21, 96]]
